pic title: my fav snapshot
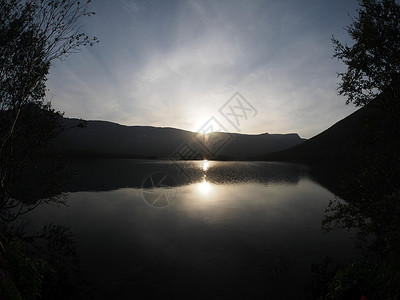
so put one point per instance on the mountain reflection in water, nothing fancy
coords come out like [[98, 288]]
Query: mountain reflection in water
[[112, 174], [233, 229]]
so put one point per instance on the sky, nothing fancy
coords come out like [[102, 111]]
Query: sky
[[181, 63]]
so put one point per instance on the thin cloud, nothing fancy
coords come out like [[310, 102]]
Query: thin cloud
[[174, 64]]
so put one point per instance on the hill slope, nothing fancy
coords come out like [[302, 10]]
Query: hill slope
[[101, 138], [335, 145], [363, 147]]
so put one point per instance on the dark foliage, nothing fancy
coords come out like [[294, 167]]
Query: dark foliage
[[373, 61], [32, 34], [373, 176]]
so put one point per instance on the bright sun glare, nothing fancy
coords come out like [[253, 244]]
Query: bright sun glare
[[204, 187], [205, 164]]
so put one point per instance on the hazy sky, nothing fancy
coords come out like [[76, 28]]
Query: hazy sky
[[176, 63]]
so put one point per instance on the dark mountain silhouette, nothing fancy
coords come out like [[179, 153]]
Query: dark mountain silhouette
[[339, 144], [107, 139], [366, 140], [334, 145]]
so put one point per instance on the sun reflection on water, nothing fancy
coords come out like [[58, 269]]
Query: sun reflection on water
[[204, 187], [205, 164]]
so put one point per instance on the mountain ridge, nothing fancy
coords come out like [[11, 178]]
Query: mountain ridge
[[335, 144], [365, 143], [109, 139]]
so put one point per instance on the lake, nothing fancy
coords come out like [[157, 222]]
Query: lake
[[196, 229]]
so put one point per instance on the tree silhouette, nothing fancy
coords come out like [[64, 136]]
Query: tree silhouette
[[373, 61], [33, 33], [372, 79]]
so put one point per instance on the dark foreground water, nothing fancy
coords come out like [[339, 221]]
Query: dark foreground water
[[196, 230]]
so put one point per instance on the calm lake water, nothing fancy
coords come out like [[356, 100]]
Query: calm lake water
[[196, 230]]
